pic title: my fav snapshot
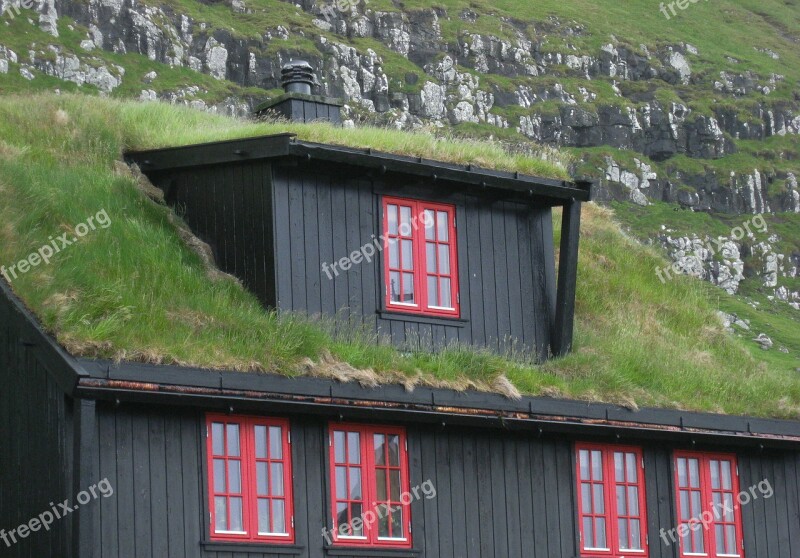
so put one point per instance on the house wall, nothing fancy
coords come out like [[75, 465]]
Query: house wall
[[35, 442], [323, 213], [499, 495]]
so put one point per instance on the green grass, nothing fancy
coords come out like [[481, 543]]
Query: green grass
[[135, 291]]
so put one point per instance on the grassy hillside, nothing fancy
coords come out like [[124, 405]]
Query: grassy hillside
[[135, 291]]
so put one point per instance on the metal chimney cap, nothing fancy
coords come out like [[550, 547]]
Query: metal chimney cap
[[297, 76]]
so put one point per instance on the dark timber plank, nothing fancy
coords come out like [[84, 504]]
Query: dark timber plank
[[567, 278]]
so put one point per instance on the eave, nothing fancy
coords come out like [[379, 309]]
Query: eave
[[137, 383], [520, 186]]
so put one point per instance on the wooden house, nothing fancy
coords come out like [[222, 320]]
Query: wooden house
[[102, 459]]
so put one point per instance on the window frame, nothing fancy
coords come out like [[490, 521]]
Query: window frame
[[371, 538], [611, 513], [706, 498], [247, 455], [420, 271]]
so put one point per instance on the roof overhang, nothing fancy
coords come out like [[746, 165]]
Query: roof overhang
[[248, 391], [554, 192]]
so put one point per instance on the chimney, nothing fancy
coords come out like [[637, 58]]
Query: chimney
[[298, 103]]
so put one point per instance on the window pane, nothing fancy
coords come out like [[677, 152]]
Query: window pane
[[394, 286], [394, 478], [357, 510], [583, 458], [408, 287], [636, 535], [429, 221], [633, 500], [261, 442], [341, 483], [430, 257], [696, 509], [341, 518], [277, 479], [447, 297], [622, 526], [218, 438], [699, 540], [353, 448], [728, 506], [597, 466], [726, 475], [275, 442], [622, 508], [588, 532], [600, 530], [380, 450], [394, 254], [235, 477], [394, 450], [719, 533], [237, 523], [405, 221], [408, 258], [380, 484], [444, 259], [682, 478], [219, 476], [233, 440], [730, 539], [355, 483], [261, 479], [599, 503], [279, 516], [397, 523], [263, 516], [442, 231], [714, 465], [338, 446], [686, 511], [221, 513], [383, 525], [630, 460], [433, 291], [586, 497], [619, 466], [694, 473], [391, 211]]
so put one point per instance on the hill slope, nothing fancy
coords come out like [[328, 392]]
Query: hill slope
[[134, 290]]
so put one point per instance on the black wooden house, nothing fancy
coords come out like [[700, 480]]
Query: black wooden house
[[164, 461]]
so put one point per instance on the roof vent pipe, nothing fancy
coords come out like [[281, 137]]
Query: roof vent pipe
[[297, 77]]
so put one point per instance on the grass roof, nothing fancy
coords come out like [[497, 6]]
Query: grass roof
[[136, 291]]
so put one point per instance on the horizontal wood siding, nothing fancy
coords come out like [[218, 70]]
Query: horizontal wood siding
[[35, 445]]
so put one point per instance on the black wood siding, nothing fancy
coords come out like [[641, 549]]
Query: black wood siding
[[505, 257], [273, 226], [35, 444]]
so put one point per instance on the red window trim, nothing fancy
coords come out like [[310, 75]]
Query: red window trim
[[249, 495], [706, 500], [611, 515], [369, 484], [420, 271]]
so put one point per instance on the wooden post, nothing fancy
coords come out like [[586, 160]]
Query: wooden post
[[567, 278]]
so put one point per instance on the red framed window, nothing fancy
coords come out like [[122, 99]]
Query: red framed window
[[420, 263], [369, 485], [709, 518], [611, 500], [250, 479]]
